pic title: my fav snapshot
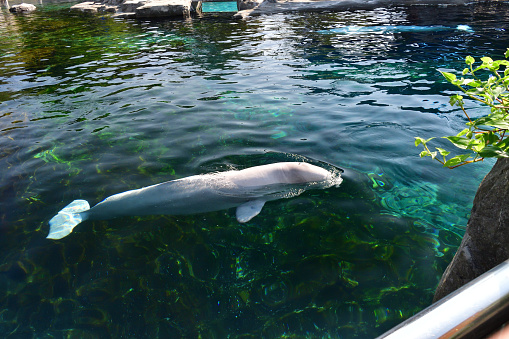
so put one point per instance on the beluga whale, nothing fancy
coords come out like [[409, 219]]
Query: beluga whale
[[349, 30], [247, 190]]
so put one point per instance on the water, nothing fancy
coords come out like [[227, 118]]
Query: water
[[220, 6], [91, 106]]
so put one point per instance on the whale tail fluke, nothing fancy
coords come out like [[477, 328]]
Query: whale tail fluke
[[63, 223]]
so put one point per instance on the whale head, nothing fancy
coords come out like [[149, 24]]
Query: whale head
[[283, 173], [301, 172]]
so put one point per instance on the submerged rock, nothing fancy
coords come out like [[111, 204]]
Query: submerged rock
[[486, 241], [22, 8]]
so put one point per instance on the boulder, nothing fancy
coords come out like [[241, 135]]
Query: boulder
[[129, 6], [164, 8], [247, 4], [141, 8], [486, 240], [87, 7], [22, 8], [94, 7]]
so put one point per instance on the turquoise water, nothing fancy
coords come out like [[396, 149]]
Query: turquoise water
[[91, 106], [220, 6]]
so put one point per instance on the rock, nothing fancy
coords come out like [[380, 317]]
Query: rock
[[87, 7], [164, 8], [141, 8], [486, 240], [131, 5], [22, 8], [109, 9], [247, 4], [179, 8]]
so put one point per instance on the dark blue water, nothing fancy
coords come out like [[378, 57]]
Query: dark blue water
[[91, 106]]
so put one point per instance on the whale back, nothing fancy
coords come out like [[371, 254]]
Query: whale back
[[279, 173]]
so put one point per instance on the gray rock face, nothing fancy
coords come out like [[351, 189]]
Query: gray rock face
[[94, 7], [141, 8], [247, 4], [164, 8], [22, 8], [129, 6], [486, 241], [179, 8]]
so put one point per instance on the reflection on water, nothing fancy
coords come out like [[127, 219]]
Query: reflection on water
[[91, 106]]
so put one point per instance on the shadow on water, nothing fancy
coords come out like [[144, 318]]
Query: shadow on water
[[91, 106]]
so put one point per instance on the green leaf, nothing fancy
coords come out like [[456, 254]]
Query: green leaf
[[483, 66], [492, 151], [494, 66], [484, 135], [491, 80], [475, 91], [419, 141], [497, 91], [459, 142], [442, 151], [472, 83], [479, 144], [465, 131], [448, 76], [456, 99], [492, 138], [487, 60], [503, 144], [456, 160], [493, 120]]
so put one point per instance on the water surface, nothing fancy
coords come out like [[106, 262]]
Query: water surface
[[92, 106]]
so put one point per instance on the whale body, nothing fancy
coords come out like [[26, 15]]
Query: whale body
[[246, 189], [392, 29]]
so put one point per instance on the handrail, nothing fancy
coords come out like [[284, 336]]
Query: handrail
[[473, 311]]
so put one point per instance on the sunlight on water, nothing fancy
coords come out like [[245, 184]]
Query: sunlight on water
[[91, 106]]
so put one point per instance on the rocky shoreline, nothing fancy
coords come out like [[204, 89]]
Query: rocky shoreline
[[246, 8], [141, 8], [486, 240]]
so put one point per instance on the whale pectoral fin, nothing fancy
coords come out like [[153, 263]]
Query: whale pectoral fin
[[249, 210], [64, 222]]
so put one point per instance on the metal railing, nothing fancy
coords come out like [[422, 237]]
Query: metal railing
[[473, 311]]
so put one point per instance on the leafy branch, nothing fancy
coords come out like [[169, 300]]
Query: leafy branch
[[485, 137]]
